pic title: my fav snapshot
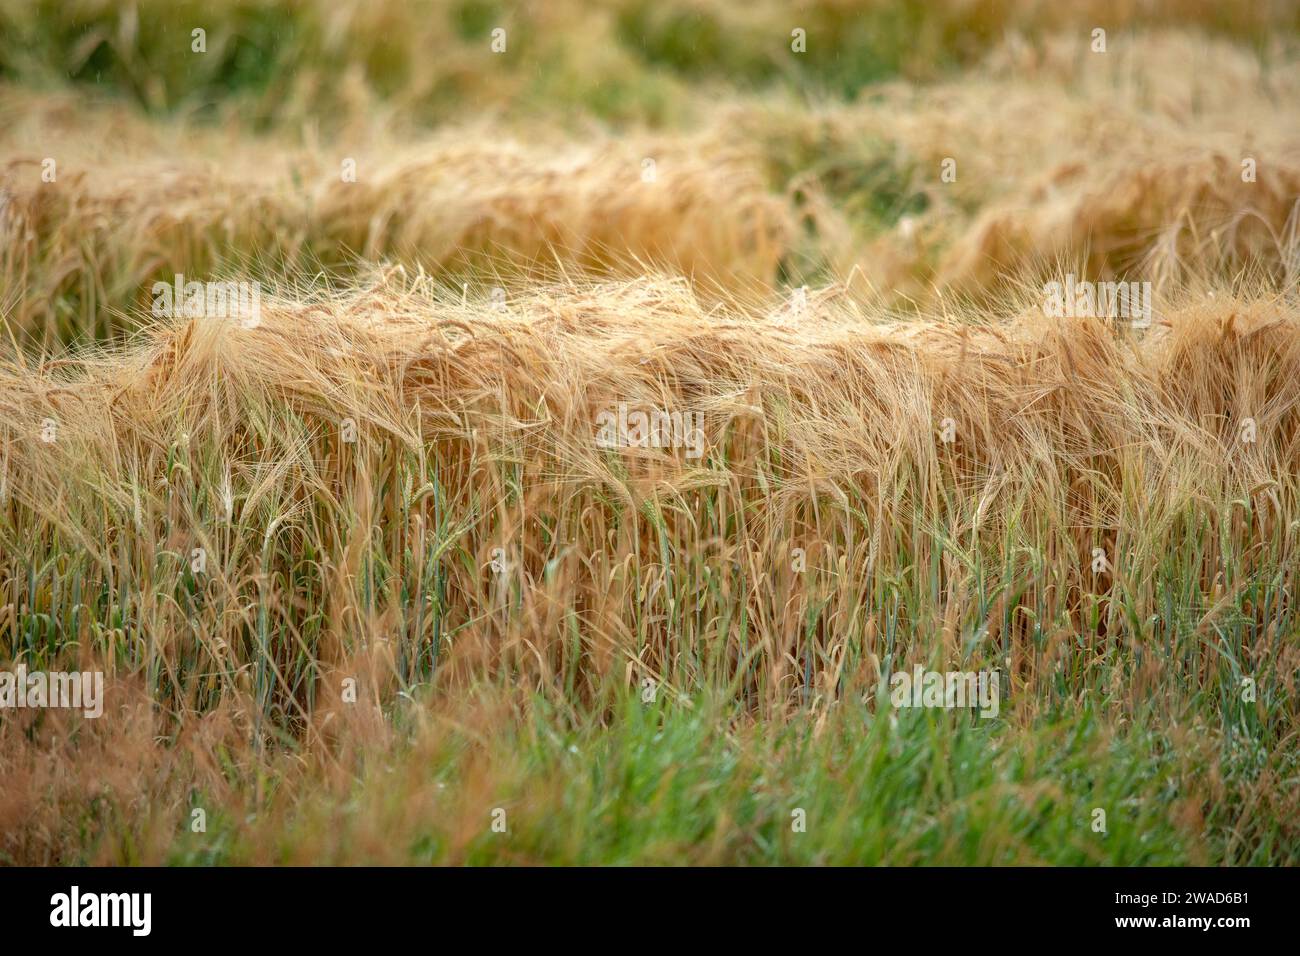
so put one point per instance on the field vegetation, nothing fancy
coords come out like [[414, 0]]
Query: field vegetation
[[364, 584]]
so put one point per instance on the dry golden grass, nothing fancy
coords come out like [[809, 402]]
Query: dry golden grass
[[395, 480], [706, 215], [1132, 165], [477, 431], [1127, 163], [87, 248], [822, 426]]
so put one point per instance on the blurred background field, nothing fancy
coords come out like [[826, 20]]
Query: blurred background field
[[772, 168]]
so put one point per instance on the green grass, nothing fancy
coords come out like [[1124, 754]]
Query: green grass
[[664, 783]]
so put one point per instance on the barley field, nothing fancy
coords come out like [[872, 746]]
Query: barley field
[[585, 433]]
